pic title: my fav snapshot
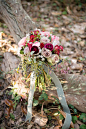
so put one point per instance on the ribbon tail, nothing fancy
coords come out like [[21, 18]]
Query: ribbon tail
[[61, 96], [30, 98]]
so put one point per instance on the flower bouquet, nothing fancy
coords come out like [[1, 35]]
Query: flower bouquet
[[39, 52]]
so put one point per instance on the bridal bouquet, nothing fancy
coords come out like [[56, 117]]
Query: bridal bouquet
[[39, 48]]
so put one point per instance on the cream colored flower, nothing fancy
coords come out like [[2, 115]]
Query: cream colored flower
[[54, 59], [46, 52]]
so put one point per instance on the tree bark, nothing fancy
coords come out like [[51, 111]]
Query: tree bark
[[17, 20]]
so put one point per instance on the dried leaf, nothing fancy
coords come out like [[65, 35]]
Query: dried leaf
[[41, 121], [76, 126], [68, 10], [7, 113], [57, 127], [9, 102], [24, 110]]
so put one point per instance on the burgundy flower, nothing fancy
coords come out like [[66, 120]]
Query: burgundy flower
[[49, 46], [30, 46], [35, 49], [57, 49], [57, 52], [41, 45], [61, 48], [32, 38]]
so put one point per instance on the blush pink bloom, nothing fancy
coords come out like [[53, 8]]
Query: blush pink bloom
[[22, 42], [53, 37], [45, 33], [26, 50], [44, 40], [36, 44], [54, 59], [46, 52]]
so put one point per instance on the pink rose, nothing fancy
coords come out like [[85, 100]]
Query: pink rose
[[26, 50], [45, 33], [44, 40], [36, 44], [53, 37], [46, 52], [22, 42]]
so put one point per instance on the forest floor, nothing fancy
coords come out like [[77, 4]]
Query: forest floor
[[69, 24]]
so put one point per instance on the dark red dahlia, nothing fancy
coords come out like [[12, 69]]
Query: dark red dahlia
[[35, 49]]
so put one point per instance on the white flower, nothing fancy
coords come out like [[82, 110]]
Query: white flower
[[26, 50], [18, 52], [43, 59], [27, 37], [55, 42], [54, 59], [44, 40]]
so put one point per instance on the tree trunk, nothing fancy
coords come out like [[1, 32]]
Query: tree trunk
[[18, 21]]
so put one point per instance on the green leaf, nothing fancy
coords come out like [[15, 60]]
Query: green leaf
[[83, 117], [83, 126], [49, 117], [61, 117], [75, 111], [12, 116], [46, 111], [21, 52], [50, 38], [64, 12], [17, 97], [15, 104], [82, 59], [36, 102], [74, 118], [71, 106], [10, 93], [40, 98], [45, 96]]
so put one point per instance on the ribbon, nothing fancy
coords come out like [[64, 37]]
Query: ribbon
[[30, 98], [61, 97], [60, 93]]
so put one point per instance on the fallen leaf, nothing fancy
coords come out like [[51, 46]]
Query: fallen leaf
[[76, 126], [56, 13], [24, 110], [68, 10], [7, 113], [8, 102], [41, 121], [57, 127]]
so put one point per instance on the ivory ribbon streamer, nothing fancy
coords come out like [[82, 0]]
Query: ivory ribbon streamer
[[30, 98], [59, 92], [61, 97]]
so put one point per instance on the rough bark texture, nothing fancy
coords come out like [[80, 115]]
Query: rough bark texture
[[18, 21], [75, 89]]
